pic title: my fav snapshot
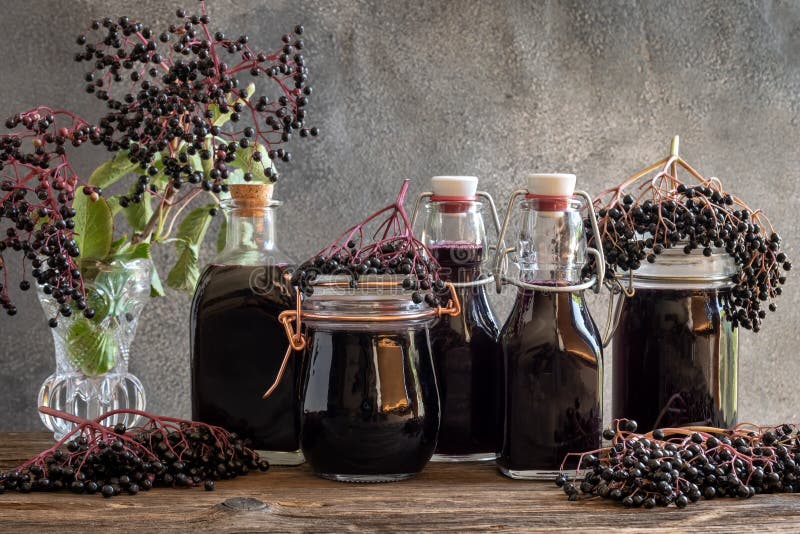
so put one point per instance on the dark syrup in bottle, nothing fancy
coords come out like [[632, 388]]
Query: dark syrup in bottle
[[552, 382], [467, 360], [237, 346]]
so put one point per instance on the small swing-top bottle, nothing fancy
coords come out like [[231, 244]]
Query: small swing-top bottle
[[552, 351], [465, 347]]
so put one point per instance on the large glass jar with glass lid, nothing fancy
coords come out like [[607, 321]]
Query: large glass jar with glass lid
[[238, 344], [466, 353], [675, 356], [552, 351], [370, 407]]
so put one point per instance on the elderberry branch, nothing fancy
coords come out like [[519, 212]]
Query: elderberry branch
[[646, 215], [163, 451]]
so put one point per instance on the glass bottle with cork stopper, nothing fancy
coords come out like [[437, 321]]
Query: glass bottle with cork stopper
[[552, 350], [465, 348], [238, 344]]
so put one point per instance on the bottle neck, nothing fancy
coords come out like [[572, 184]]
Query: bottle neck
[[551, 245], [568, 308], [250, 238], [455, 234]]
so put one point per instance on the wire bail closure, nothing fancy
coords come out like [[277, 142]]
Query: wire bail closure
[[500, 260], [495, 222], [292, 320]]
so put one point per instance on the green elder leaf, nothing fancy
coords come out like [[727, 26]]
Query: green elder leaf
[[184, 274], [112, 170], [94, 226], [244, 162], [197, 163], [118, 245], [194, 226], [139, 213], [113, 203], [139, 251], [222, 235], [91, 347], [156, 289], [191, 231]]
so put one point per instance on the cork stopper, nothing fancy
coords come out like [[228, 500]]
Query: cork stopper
[[251, 197]]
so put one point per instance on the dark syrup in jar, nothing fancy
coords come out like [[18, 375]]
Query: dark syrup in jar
[[675, 359], [238, 346], [370, 404], [553, 382], [467, 360]]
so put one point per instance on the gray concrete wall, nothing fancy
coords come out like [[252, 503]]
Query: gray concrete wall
[[496, 89]]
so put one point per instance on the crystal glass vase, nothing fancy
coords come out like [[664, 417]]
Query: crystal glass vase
[[92, 354]]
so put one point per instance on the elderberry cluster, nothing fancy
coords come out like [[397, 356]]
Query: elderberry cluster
[[132, 460], [701, 218], [37, 189], [679, 466], [392, 258], [175, 87], [178, 110], [393, 251]]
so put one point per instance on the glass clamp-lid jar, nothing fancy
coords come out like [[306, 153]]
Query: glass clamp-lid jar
[[369, 402], [674, 353]]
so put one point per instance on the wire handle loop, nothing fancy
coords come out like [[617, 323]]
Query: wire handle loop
[[292, 322]]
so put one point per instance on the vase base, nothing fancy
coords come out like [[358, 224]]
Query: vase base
[[89, 397]]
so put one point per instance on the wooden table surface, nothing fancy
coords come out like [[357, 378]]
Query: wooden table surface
[[459, 497]]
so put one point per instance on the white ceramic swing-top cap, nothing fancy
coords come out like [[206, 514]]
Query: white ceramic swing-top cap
[[551, 184], [454, 186]]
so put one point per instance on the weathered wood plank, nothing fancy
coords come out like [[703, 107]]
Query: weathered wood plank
[[444, 497]]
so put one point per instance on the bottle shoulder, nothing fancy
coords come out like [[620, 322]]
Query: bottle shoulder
[[254, 257], [555, 319]]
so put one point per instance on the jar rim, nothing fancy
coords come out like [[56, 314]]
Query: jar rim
[[674, 268], [383, 295]]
